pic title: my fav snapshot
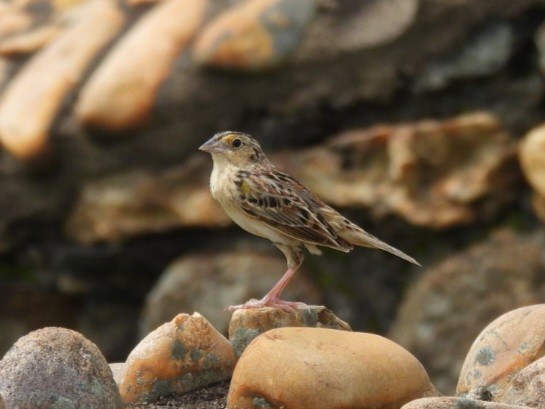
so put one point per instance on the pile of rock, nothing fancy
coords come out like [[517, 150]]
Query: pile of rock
[[290, 360]]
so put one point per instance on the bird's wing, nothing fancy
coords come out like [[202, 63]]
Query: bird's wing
[[286, 205]]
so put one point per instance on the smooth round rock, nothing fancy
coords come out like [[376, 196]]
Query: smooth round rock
[[183, 354], [504, 347], [317, 368], [57, 368]]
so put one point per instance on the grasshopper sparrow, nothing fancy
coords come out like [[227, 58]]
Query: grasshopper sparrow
[[271, 204]]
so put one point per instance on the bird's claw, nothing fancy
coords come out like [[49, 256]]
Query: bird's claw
[[288, 306]]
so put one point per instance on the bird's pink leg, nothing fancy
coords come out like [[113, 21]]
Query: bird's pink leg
[[272, 299]]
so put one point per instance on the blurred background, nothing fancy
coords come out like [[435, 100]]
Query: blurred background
[[421, 120]]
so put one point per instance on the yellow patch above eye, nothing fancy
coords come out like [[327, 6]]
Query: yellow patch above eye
[[229, 138]]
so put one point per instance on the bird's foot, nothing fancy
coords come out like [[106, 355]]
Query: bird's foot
[[288, 306]]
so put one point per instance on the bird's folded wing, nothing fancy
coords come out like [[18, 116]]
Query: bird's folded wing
[[284, 204]]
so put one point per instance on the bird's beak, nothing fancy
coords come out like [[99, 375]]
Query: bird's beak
[[212, 146]]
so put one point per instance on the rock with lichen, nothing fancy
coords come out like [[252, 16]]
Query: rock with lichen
[[181, 355]]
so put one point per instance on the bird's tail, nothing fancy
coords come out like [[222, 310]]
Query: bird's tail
[[359, 237]]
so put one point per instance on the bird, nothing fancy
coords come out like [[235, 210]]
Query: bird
[[273, 205]]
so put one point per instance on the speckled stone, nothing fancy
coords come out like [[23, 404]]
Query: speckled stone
[[446, 402], [183, 354], [504, 347], [322, 368], [527, 387], [57, 368], [247, 324]]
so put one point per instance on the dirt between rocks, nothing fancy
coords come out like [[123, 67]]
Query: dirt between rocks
[[209, 397]]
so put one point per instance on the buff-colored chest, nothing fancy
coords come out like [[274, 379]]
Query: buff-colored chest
[[224, 190]]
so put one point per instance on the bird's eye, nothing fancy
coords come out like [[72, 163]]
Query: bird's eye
[[237, 143]]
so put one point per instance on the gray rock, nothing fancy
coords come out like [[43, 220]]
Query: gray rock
[[486, 54], [57, 368]]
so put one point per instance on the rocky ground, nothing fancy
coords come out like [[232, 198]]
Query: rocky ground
[[211, 397], [419, 119], [273, 359]]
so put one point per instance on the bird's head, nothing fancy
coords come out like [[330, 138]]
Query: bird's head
[[237, 148]]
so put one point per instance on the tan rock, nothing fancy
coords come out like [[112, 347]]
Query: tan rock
[[447, 402], [325, 368], [28, 25], [246, 325], [532, 158], [531, 155], [118, 371], [210, 282], [13, 19], [27, 43], [254, 35], [34, 97], [121, 94], [134, 203], [527, 387], [507, 345], [183, 354]]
